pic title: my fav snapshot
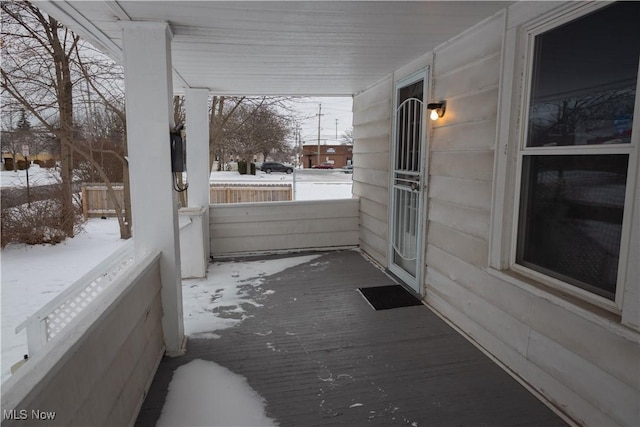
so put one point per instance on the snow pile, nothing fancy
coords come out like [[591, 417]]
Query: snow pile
[[203, 393], [219, 301]]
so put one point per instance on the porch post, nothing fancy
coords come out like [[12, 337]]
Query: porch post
[[198, 170], [198, 146], [154, 205]]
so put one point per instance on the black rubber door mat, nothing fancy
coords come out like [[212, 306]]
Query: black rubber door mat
[[386, 297]]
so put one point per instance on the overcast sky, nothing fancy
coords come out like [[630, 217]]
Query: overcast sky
[[335, 108]]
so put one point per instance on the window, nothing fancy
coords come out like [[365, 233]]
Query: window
[[577, 151]]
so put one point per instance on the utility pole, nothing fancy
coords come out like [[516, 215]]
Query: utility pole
[[336, 129], [299, 157], [319, 116]]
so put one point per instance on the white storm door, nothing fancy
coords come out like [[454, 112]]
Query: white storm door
[[407, 187]]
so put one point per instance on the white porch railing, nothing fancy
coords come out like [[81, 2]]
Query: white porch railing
[[47, 322], [244, 228], [99, 367]]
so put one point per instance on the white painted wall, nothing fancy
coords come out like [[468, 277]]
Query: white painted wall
[[99, 369], [277, 226], [583, 360]]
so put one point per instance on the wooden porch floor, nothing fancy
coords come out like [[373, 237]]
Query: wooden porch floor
[[330, 359]]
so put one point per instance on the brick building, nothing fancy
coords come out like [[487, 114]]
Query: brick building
[[339, 155]]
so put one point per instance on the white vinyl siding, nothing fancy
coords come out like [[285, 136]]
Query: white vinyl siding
[[466, 75], [372, 135], [578, 357], [581, 359]]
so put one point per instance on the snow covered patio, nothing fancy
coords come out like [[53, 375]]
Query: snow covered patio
[[318, 354]]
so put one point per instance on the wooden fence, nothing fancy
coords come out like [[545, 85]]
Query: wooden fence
[[96, 203], [250, 193]]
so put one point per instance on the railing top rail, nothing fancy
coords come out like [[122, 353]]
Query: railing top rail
[[219, 206], [99, 270], [248, 184]]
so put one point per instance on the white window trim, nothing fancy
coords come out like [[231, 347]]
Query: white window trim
[[517, 59]]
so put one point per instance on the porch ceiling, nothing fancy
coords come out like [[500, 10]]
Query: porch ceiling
[[281, 48]]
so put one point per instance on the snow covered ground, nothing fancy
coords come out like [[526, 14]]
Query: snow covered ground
[[33, 275], [309, 184], [37, 176]]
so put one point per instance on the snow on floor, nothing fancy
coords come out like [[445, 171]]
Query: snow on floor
[[33, 275], [218, 302], [203, 393]]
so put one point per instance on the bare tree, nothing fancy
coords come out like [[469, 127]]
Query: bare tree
[[243, 127], [34, 46], [347, 137], [11, 144], [108, 122], [222, 110], [43, 72], [269, 131], [14, 139]]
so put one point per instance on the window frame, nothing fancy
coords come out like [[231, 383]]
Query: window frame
[[512, 131]]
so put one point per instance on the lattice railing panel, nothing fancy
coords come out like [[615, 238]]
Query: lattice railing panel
[[70, 308]]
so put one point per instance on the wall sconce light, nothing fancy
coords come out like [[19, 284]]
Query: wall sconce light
[[437, 109]]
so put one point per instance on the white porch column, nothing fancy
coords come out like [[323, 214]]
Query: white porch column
[[197, 110], [196, 251], [149, 91]]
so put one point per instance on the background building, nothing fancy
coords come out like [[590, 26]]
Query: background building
[[339, 155]]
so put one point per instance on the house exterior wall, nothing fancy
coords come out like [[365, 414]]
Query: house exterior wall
[[581, 359], [97, 374], [372, 120]]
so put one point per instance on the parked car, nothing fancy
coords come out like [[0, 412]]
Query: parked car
[[269, 167], [323, 166], [348, 169]]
